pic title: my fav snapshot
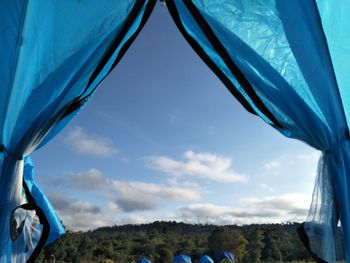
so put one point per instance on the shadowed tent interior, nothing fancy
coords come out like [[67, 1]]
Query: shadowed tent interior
[[284, 61]]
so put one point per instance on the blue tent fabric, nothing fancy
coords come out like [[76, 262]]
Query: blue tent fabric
[[182, 259], [287, 62], [53, 56], [336, 25], [226, 255], [144, 260], [205, 259]]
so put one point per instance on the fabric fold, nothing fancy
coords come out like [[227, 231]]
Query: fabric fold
[[51, 60], [281, 50]]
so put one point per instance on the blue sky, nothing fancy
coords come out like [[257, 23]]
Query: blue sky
[[163, 139]]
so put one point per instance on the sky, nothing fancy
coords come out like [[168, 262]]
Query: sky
[[163, 139]]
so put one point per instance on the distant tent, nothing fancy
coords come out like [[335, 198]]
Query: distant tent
[[205, 259], [182, 259], [287, 62], [144, 260], [226, 257]]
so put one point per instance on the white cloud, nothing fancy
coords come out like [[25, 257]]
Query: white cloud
[[134, 219], [72, 211], [130, 196], [155, 190], [290, 207], [286, 204], [82, 215], [273, 209], [303, 165], [82, 142], [204, 165], [312, 157], [266, 187], [272, 165], [203, 210]]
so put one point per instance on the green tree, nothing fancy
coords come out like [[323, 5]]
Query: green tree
[[255, 246], [226, 239], [272, 252], [165, 253]]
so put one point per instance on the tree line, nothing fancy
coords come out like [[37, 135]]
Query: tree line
[[160, 241]]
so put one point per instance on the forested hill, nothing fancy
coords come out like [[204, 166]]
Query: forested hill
[[159, 241]]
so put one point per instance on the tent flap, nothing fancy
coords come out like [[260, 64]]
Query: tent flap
[[54, 54], [275, 56]]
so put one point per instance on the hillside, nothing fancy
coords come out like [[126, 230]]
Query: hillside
[[159, 241]]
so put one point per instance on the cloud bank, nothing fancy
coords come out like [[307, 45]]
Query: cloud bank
[[287, 207], [202, 165], [81, 216], [135, 201], [129, 196]]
